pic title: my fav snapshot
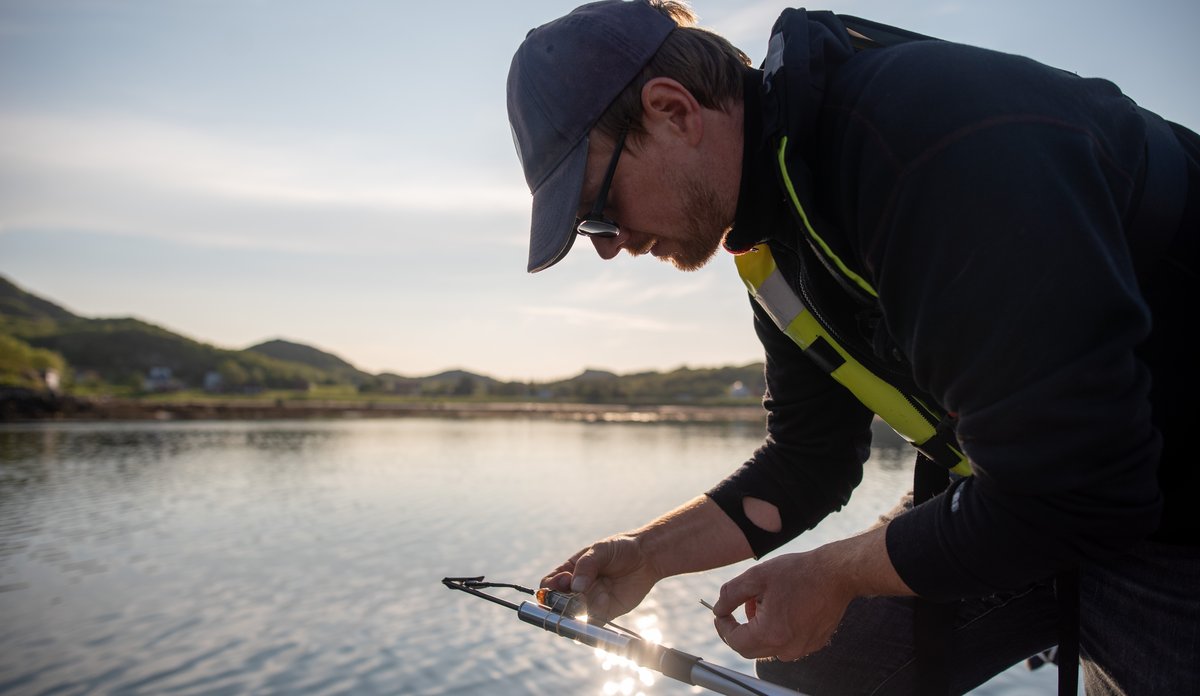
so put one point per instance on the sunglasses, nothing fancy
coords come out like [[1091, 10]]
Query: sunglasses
[[595, 224]]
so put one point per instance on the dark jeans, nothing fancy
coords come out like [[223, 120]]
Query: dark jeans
[[1139, 634]]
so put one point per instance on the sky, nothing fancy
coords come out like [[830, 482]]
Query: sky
[[342, 174]]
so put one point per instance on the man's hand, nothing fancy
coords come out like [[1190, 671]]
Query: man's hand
[[614, 575], [794, 603]]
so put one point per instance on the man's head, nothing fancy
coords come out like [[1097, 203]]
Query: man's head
[[636, 73]]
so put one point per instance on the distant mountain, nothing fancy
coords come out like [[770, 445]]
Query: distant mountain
[[128, 351], [683, 385], [39, 335], [18, 306], [589, 374], [288, 351], [300, 353], [448, 383], [456, 375]]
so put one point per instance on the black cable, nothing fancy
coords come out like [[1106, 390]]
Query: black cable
[[471, 585]]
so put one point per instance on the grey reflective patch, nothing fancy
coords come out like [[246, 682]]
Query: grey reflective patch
[[774, 59], [779, 300]]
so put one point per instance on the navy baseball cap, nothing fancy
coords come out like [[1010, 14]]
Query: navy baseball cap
[[562, 79]]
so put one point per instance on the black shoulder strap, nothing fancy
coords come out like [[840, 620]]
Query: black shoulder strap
[[1066, 588], [933, 622]]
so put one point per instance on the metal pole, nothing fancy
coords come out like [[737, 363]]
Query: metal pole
[[670, 662]]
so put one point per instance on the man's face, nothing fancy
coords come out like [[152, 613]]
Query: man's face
[[660, 199]]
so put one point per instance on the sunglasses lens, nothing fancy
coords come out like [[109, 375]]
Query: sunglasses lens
[[597, 228]]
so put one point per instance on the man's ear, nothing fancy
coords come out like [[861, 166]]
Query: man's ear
[[668, 105]]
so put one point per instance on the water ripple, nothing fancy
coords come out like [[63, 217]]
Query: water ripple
[[181, 668], [305, 557]]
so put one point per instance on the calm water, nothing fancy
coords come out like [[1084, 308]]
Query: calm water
[[305, 557]]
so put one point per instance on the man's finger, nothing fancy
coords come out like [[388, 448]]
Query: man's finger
[[585, 572], [741, 637], [559, 581], [724, 625], [738, 591]]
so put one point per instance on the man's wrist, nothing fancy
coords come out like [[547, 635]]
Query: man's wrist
[[694, 537], [863, 566]]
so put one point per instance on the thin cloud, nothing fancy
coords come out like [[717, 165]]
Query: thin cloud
[[630, 289], [601, 321], [947, 9], [153, 156], [747, 27], [142, 178]]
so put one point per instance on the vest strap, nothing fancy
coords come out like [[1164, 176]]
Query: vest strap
[[1066, 587], [925, 427], [943, 444], [825, 355], [933, 622]]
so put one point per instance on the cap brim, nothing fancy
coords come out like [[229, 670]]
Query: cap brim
[[555, 204]]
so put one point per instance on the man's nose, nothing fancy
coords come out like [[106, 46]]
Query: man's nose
[[608, 247]]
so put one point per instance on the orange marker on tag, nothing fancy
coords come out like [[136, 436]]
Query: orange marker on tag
[[572, 605]]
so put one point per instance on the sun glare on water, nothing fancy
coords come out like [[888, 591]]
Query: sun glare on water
[[628, 678]]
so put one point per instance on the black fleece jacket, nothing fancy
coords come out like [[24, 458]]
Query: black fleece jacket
[[987, 198]]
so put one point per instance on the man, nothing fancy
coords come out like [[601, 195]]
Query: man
[[1009, 245]]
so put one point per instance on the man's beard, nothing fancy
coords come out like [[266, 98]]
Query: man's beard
[[706, 228], [702, 235]]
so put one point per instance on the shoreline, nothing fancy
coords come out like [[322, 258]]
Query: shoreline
[[32, 407]]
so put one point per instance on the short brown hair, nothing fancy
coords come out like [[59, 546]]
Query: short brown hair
[[705, 63]]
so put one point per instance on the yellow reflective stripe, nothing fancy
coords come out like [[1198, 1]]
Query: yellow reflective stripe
[[764, 281], [754, 266], [769, 288], [963, 468], [787, 182], [932, 413], [875, 393]]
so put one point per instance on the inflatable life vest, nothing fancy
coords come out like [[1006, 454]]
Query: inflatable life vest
[[916, 418], [876, 384]]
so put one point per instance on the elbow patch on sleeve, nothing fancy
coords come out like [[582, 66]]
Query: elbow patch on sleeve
[[730, 497]]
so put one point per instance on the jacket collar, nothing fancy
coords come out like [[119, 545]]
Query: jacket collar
[[758, 198], [784, 97]]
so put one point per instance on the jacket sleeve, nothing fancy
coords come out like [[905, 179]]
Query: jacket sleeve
[[818, 437], [1004, 275]]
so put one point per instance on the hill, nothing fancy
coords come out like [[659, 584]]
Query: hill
[[41, 342], [130, 353], [27, 313], [301, 354], [715, 385]]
